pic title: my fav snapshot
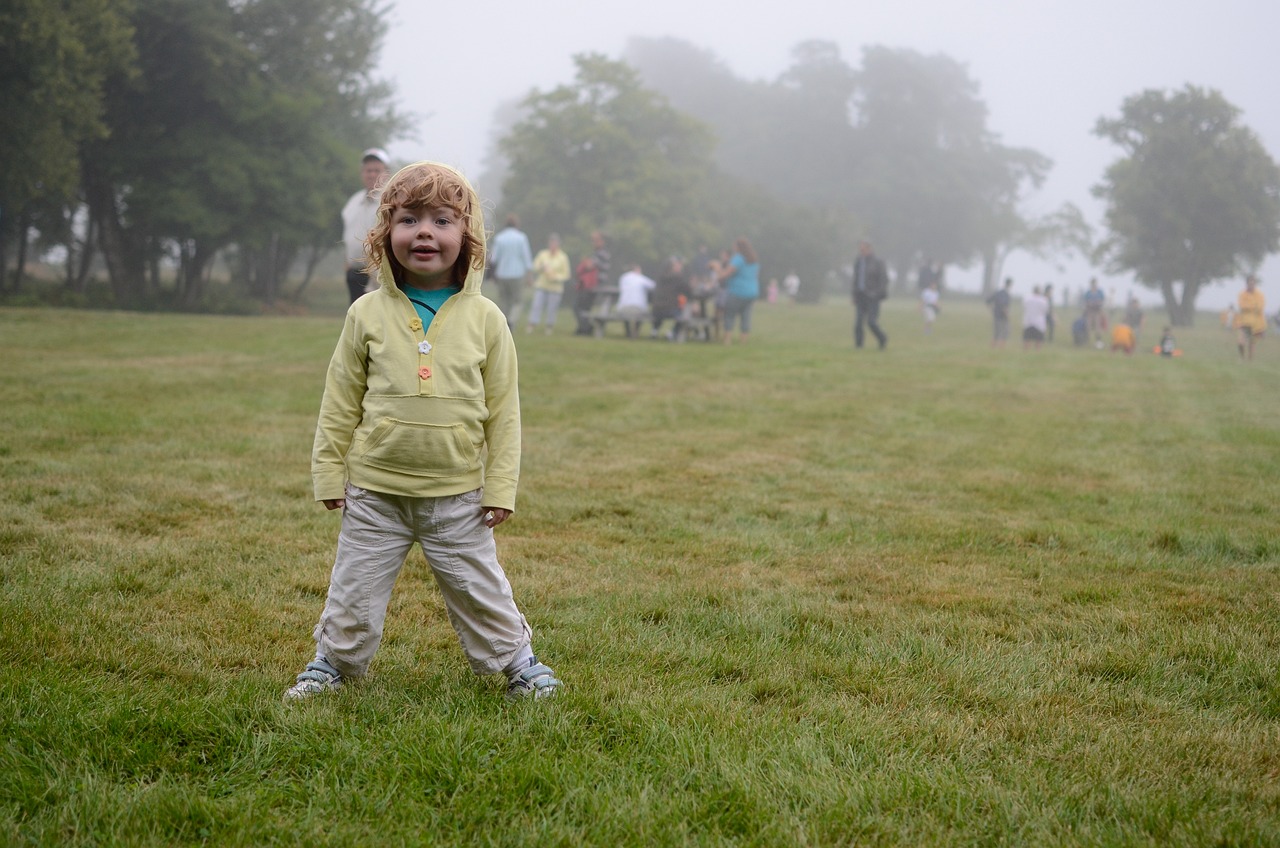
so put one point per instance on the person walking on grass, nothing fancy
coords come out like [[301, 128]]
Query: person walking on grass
[[510, 260], [552, 267], [999, 301], [1095, 318], [418, 441], [929, 298], [741, 280], [1251, 320], [870, 286]]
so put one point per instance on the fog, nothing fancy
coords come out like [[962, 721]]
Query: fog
[[1047, 71]]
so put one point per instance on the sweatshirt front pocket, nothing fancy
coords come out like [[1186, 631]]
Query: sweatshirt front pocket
[[423, 450]]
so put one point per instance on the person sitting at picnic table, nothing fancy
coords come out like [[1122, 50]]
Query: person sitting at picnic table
[[633, 298]]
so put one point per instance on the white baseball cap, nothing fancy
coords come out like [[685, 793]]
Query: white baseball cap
[[376, 153]]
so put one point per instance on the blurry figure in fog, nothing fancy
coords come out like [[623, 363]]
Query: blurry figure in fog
[[1168, 347], [929, 305], [1134, 318], [999, 301], [930, 272], [585, 298], [1122, 339], [1035, 309], [633, 298], [1080, 332], [586, 281], [1251, 321], [742, 288], [359, 216], [1048, 319], [870, 287], [771, 291], [671, 298], [1095, 301], [510, 259], [552, 267], [791, 285]]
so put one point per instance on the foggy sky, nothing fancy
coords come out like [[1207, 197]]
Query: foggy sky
[[1047, 70]]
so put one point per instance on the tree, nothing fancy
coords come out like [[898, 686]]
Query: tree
[[1062, 231], [54, 60], [229, 136], [783, 151], [607, 153], [1196, 199], [932, 179]]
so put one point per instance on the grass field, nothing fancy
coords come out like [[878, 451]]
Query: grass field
[[800, 595]]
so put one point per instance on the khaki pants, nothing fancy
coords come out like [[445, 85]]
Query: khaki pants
[[377, 533]]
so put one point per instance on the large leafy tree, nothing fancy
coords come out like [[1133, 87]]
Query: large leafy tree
[[605, 152], [1195, 199], [54, 60], [230, 135], [897, 150], [932, 179]]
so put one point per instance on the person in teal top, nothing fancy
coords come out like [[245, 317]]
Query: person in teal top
[[741, 280]]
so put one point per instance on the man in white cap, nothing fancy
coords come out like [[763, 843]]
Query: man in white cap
[[358, 217]]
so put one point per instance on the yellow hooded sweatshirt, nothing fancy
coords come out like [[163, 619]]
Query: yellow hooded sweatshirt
[[422, 420]]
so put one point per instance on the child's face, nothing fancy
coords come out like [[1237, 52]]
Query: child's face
[[426, 243]]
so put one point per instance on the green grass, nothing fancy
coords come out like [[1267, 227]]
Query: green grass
[[942, 595]]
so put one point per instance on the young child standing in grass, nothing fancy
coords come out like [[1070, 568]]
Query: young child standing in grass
[[418, 440]]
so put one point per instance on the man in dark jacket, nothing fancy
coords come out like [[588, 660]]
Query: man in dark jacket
[[870, 286]]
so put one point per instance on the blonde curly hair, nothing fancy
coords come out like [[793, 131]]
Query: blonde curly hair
[[426, 185]]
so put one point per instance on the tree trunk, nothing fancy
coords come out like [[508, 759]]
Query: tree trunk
[[125, 266], [81, 279], [992, 261], [4, 253], [315, 254], [20, 266], [1182, 311]]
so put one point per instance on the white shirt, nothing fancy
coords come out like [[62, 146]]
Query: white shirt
[[633, 290], [358, 218], [1035, 309]]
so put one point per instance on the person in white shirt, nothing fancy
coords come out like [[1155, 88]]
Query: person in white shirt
[[1035, 313], [929, 305], [633, 298], [358, 217]]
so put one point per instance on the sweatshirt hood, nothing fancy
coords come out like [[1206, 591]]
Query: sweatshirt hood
[[475, 276]]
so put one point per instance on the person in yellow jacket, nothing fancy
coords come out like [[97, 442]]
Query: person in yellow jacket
[[1251, 320], [418, 440], [552, 268]]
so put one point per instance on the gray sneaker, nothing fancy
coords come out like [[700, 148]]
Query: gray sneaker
[[318, 678], [536, 681]]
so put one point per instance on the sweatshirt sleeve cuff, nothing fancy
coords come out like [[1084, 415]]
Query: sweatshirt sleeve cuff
[[500, 492]]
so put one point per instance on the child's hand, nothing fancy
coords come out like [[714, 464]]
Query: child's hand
[[336, 503], [495, 515]]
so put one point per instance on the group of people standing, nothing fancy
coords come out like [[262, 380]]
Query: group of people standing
[[723, 289]]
